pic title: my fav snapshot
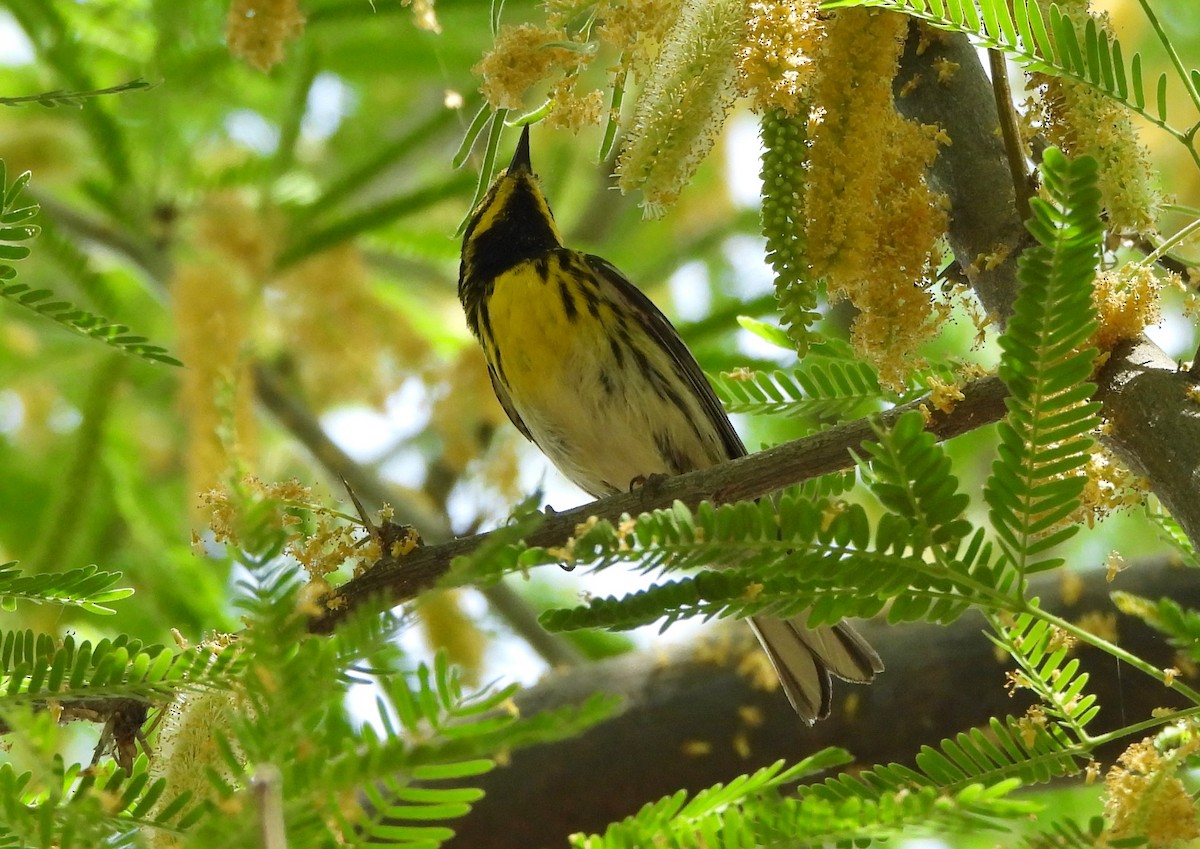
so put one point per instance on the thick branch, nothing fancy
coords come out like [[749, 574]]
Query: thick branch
[[986, 234], [396, 580], [1155, 429], [691, 719], [1153, 423]]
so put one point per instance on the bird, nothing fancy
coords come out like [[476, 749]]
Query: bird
[[590, 370]]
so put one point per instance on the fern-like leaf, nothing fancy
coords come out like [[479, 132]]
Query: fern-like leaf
[[841, 811], [1069, 834], [909, 473], [819, 389], [37, 667], [1180, 624], [1171, 533], [87, 588], [15, 213], [1059, 685], [1046, 440], [1011, 750], [792, 556], [66, 314], [354, 784], [100, 806], [715, 816]]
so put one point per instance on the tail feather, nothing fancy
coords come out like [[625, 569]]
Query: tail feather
[[806, 659]]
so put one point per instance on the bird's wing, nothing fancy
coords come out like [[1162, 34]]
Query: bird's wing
[[667, 337], [507, 404]]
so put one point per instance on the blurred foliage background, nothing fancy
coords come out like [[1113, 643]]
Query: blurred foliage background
[[298, 221], [289, 222]]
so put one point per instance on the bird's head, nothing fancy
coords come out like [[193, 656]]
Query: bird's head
[[512, 224]]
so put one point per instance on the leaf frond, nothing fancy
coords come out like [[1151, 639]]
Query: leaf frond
[[718, 815], [1067, 834], [909, 473], [1045, 441], [36, 667], [1041, 654], [1180, 624], [60, 97], [100, 806], [819, 389], [792, 555], [87, 588]]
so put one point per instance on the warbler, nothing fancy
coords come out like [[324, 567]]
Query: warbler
[[591, 372]]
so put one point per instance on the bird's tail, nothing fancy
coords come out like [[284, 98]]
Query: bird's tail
[[806, 658]]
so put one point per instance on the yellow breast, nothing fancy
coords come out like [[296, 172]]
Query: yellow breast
[[588, 381]]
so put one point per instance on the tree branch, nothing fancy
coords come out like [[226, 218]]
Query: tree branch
[[1010, 128], [504, 601], [395, 580], [1153, 426], [1153, 423], [986, 234]]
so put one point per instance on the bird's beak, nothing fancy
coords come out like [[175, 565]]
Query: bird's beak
[[520, 160]]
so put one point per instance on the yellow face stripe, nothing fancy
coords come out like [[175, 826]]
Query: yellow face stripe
[[495, 206]]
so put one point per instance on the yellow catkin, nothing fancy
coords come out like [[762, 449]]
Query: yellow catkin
[[523, 56], [210, 302], [186, 750], [347, 346], [684, 103], [215, 293], [775, 62], [257, 30], [552, 55], [1082, 121], [1127, 302], [637, 29], [228, 227], [873, 220], [448, 627], [1144, 797], [574, 110]]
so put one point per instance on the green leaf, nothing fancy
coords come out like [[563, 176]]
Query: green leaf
[[87, 587], [1046, 440], [769, 333]]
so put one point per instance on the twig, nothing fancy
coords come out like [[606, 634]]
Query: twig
[[395, 580], [153, 262], [1012, 134], [1150, 423], [267, 787], [300, 422]]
